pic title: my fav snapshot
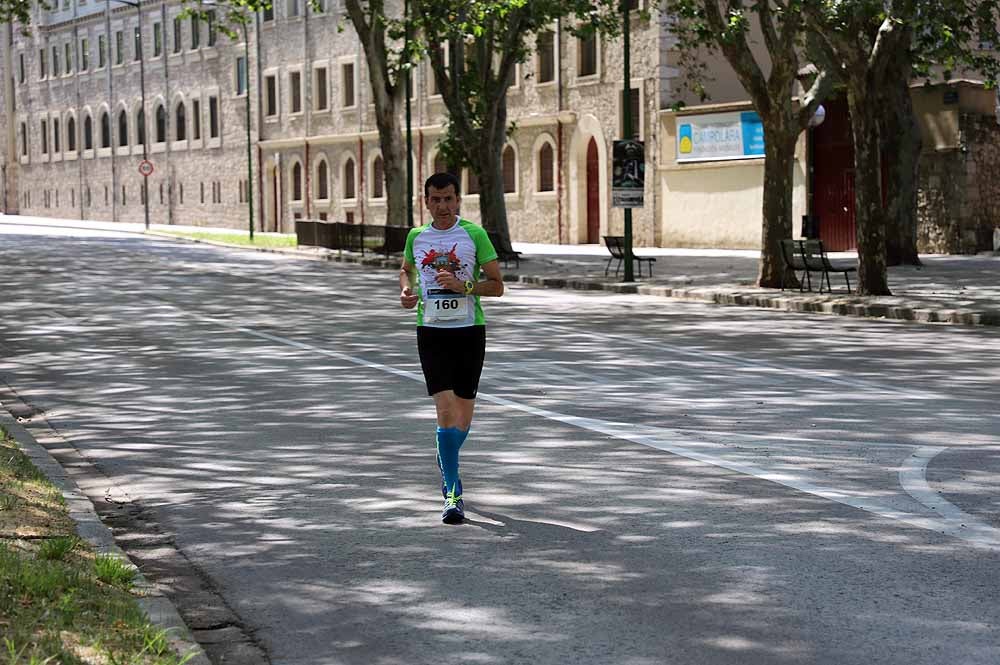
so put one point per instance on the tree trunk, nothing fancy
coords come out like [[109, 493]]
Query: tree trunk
[[780, 134], [870, 216], [901, 143], [492, 206], [387, 96], [393, 146]]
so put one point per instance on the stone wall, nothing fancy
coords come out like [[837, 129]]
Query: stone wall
[[958, 205]]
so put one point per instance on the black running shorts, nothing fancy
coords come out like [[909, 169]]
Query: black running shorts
[[452, 358]]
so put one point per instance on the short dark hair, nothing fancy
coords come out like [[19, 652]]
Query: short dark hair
[[441, 181]]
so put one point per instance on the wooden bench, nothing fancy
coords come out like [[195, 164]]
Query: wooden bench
[[616, 246], [815, 259], [505, 253]]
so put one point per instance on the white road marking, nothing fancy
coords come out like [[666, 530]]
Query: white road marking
[[983, 536]]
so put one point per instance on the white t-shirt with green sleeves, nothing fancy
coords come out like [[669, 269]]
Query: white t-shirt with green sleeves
[[462, 250]]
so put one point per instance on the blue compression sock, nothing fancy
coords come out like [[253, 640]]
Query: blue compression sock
[[449, 441]]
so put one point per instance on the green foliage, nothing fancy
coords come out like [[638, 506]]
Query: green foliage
[[487, 39], [112, 570], [56, 549]]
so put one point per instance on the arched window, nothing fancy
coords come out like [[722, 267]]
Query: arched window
[[297, 182], [349, 189], [323, 180], [88, 133], [378, 178], [161, 124], [122, 128], [509, 172], [140, 127], [105, 130], [71, 134], [180, 126], [545, 173]]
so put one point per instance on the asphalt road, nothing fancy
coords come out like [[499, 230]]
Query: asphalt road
[[647, 481]]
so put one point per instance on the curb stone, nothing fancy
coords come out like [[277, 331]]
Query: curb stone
[[738, 296], [158, 608]]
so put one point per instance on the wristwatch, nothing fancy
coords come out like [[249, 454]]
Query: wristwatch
[[469, 287]]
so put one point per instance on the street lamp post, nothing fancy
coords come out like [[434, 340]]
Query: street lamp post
[[142, 91]]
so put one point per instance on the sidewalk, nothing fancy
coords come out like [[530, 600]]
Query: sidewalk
[[946, 289]]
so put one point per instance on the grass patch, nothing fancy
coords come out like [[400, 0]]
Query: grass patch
[[239, 238], [59, 603]]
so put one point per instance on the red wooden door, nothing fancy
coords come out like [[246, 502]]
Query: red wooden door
[[593, 194], [833, 177]]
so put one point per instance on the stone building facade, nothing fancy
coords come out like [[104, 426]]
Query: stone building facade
[[75, 121]]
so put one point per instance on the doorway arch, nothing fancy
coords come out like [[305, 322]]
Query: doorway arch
[[588, 178]]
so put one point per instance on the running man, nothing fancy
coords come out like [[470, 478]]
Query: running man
[[440, 276]]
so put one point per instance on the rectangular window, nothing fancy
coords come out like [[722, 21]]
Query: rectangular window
[[293, 8], [41, 64], [45, 137], [55, 135], [546, 57], [321, 97], [196, 119], [84, 54], [68, 53], [271, 95], [55, 61], [211, 28], [634, 109], [241, 75], [195, 32], [20, 68], [119, 47], [136, 44], [213, 117], [157, 39], [347, 84], [587, 56], [24, 139], [295, 81], [178, 35], [268, 13], [102, 51]]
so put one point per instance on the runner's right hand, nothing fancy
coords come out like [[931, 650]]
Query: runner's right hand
[[408, 299]]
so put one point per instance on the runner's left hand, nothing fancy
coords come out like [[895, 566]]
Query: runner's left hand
[[447, 279]]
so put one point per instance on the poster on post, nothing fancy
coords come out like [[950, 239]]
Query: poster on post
[[628, 179], [719, 136]]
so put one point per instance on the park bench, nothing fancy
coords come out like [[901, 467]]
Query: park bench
[[616, 246], [504, 251], [792, 258], [815, 259]]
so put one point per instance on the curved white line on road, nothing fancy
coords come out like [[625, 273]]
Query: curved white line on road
[[913, 478], [675, 443]]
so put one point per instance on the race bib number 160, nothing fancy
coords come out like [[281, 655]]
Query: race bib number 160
[[444, 305]]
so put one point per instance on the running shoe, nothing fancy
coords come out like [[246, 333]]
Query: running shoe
[[454, 509]]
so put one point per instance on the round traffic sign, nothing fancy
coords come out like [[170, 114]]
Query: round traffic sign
[[146, 168]]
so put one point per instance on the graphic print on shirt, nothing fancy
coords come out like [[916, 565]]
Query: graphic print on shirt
[[444, 304]]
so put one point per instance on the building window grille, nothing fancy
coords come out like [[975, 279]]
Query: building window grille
[[587, 52], [161, 124], [378, 178], [122, 128], [546, 57], [180, 124], [349, 188], [545, 168], [88, 133]]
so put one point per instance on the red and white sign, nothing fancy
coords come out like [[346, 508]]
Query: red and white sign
[[146, 168]]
